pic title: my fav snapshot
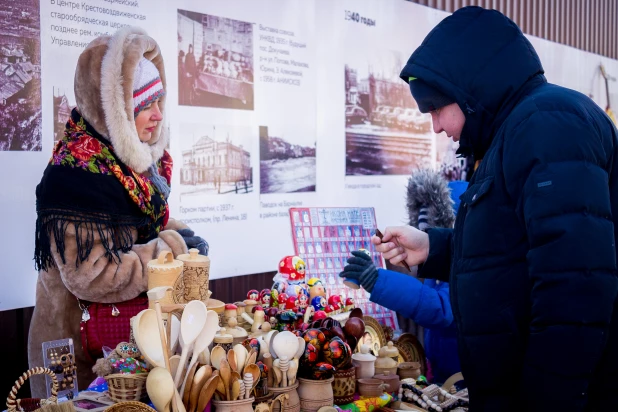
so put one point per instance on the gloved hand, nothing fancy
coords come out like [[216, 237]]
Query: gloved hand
[[193, 241], [361, 267]]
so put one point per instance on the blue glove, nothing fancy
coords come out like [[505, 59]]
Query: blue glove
[[361, 267], [193, 241]]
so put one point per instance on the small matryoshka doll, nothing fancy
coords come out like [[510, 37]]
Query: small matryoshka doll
[[265, 298], [253, 295], [291, 303], [271, 315], [349, 304], [303, 301], [316, 288], [282, 300], [318, 303], [335, 302], [292, 268]]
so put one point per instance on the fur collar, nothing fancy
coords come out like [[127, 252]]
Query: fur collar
[[427, 189], [104, 93]]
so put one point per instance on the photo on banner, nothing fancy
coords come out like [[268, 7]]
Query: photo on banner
[[287, 163], [20, 76], [215, 61], [216, 159]]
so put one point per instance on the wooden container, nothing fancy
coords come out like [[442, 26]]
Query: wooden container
[[164, 271], [370, 388], [314, 394], [365, 363], [193, 285], [344, 386], [409, 370], [240, 405], [391, 351], [391, 380], [293, 402]]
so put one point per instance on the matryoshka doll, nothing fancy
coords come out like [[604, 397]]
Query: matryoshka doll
[[349, 304], [282, 300], [303, 302], [335, 302], [292, 268], [264, 298], [318, 303], [291, 303], [253, 295], [316, 288]]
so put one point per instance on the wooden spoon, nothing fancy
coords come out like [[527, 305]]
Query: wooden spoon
[[241, 357], [216, 356], [226, 374], [231, 359], [192, 322], [278, 374], [160, 387], [221, 388], [174, 362], [234, 390], [207, 391], [252, 357], [187, 389], [204, 339], [234, 375], [200, 378], [254, 370]]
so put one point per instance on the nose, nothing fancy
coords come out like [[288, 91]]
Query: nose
[[436, 123], [157, 116]]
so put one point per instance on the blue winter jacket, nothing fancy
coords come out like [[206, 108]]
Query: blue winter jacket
[[532, 258], [428, 304]]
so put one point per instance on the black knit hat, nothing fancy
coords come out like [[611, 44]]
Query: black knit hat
[[427, 97]]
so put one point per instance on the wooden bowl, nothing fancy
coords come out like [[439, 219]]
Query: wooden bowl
[[370, 388]]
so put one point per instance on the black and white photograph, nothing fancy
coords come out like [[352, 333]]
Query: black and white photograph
[[216, 159], [385, 132], [20, 75], [215, 61], [64, 103], [287, 163]]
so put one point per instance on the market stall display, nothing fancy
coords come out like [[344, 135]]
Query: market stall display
[[300, 342]]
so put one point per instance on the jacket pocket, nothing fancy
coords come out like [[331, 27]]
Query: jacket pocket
[[477, 191]]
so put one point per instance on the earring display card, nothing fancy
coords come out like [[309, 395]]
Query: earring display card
[[59, 356], [324, 238]]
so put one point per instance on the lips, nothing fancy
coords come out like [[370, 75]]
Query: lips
[[151, 129]]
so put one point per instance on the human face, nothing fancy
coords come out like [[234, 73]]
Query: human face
[[450, 120], [147, 120]]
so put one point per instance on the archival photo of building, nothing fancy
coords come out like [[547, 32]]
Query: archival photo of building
[[20, 75], [215, 160], [287, 163], [215, 61]]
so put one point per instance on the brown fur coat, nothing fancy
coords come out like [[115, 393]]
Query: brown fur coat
[[103, 90]]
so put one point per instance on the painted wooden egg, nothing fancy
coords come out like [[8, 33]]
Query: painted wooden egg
[[315, 337], [337, 352]]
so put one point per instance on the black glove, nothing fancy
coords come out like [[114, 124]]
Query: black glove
[[361, 267], [193, 241]]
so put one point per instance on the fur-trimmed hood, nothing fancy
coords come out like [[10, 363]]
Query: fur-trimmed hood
[[427, 189], [104, 93]]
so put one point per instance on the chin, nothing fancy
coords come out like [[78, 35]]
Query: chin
[[145, 137]]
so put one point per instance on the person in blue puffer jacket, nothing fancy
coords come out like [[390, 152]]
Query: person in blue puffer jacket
[[430, 203]]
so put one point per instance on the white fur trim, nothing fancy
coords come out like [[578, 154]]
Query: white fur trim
[[120, 122]]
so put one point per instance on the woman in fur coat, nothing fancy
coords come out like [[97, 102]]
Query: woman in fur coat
[[102, 210]]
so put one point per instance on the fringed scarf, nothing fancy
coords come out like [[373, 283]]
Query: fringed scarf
[[86, 185]]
